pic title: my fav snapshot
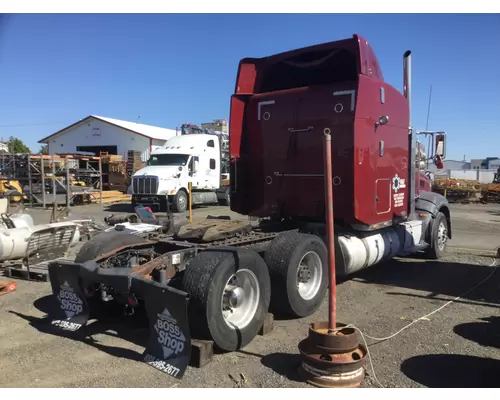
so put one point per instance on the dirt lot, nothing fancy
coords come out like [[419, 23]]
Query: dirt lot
[[458, 346]]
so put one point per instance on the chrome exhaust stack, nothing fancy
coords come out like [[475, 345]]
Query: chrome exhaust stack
[[412, 168], [407, 78]]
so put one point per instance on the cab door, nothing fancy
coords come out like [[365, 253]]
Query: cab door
[[194, 171]]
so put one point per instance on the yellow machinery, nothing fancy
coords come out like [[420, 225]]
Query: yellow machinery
[[8, 185]]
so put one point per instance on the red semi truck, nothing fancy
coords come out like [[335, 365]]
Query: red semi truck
[[217, 279]]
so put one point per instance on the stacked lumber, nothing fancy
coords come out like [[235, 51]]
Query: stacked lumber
[[134, 164], [114, 175], [458, 190], [110, 158], [110, 196]]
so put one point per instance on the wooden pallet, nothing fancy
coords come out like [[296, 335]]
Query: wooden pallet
[[124, 198], [134, 163], [38, 272], [106, 194], [34, 274]]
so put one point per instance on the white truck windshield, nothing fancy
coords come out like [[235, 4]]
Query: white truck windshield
[[168, 159]]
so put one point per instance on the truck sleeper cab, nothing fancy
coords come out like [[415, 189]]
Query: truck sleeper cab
[[219, 278], [280, 109]]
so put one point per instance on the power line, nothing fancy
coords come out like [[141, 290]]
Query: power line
[[38, 124]]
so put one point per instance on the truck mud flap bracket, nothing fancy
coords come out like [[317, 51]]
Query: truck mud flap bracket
[[169, 344]]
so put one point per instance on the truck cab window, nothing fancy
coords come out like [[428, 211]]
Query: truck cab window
[[210, 143], [212, 163], [168, 159]]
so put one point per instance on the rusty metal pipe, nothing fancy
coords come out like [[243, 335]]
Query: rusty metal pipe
[[330, 231]]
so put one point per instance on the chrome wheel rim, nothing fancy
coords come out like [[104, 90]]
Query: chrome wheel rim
[[442, 236], [309, 275], [240, 299], [182, 201]]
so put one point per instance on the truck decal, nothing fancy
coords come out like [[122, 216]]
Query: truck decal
[[71, 305], [398, 198]]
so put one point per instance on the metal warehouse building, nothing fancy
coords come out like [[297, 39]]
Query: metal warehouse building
[[95, 134]]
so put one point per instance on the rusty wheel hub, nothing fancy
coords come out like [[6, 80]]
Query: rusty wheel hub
[[332, 360]]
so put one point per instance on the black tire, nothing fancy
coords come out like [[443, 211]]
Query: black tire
[[438, 230], [105, 242], [180, 202], [205, 279], [282, 258]]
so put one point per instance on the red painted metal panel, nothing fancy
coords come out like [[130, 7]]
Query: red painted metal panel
[[370, 164], [246, 78], [368, 64], [383, 200], [292, 138], [278, 138], [236, 125]]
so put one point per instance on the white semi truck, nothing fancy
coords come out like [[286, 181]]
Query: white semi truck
[[197, 158]]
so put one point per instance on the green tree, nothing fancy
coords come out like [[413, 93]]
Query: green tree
[[17, 146], [44, 149]]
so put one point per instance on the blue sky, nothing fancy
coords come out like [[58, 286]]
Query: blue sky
[[168, 69]]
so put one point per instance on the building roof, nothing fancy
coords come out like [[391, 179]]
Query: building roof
[[150, 131]]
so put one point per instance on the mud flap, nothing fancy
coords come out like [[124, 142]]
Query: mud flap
[[169, 344], [72, 310]]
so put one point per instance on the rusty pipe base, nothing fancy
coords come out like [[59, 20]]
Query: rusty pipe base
[[334, 360]]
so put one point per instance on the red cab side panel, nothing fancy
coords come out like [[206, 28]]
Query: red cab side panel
[[380, 153]]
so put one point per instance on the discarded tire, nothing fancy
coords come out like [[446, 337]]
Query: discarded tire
[[298, 266], [229, 291]]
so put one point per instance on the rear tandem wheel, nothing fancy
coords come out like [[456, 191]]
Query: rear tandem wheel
[[298, 265], [229, 291]]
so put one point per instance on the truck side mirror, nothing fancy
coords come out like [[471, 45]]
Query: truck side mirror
[[195, 166], [440, 146]]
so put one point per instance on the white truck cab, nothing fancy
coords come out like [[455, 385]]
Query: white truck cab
[[194, 158]]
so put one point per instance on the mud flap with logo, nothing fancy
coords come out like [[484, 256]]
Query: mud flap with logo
[[169, 345], [72, 310]]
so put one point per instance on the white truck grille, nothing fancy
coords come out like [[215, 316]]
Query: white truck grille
[[145, 185]]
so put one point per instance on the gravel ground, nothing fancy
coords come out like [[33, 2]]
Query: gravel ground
[[458, 346]]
